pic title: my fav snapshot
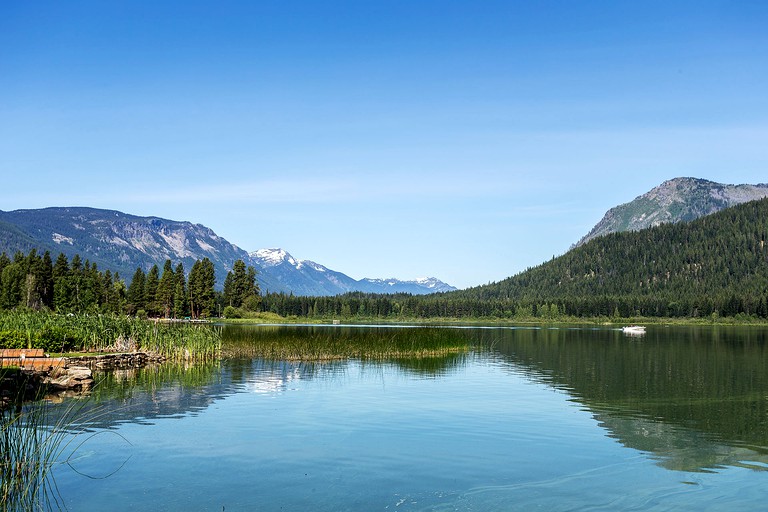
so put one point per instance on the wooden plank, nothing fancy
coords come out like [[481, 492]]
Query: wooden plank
[[33, 362], [17, 352], [43, 362]]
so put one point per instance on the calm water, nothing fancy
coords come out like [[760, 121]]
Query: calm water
[[547, 419]]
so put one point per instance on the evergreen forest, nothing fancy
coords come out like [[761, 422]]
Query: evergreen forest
[[35, 282]]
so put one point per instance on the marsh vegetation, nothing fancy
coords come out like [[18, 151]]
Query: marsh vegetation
[[108, 333], [324, 343]]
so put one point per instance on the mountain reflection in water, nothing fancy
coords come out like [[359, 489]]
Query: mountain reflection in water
[[696, 398]]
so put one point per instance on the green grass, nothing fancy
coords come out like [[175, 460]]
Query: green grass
[[326, 344], [99, 333]]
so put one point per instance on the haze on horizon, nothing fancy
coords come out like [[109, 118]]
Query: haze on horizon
[[465, 141]]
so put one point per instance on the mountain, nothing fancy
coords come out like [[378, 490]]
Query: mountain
[[115, 240], [121, 243], [283, 272], [675, 200], [416, 287], [714, 264]]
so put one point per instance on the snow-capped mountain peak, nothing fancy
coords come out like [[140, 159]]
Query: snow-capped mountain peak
[[274, 257], [283, 272], [418, 285]]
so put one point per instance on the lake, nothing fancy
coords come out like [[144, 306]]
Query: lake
[[528, 418]]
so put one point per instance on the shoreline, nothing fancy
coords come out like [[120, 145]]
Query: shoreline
[[75, 375], [597, 321]]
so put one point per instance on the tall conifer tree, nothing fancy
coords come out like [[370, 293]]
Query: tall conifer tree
[[165, 290]]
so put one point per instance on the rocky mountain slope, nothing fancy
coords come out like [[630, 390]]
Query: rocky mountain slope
[[115, 240], [121, 242], [675, 200]]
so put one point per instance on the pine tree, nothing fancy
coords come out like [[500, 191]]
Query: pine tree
[[46, 280], [150, 290], [62, 293], [109, 300], [75, 284], [92, 292], [180, 300], [33, 280], [240, 284], [5, 261], [13, 279], [201, 288], [165, 290], [136, 296]]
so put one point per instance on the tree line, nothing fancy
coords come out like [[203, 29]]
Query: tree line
[[34, 281], [715, 266]]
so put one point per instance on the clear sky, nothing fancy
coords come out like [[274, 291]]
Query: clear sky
[[462, 140]]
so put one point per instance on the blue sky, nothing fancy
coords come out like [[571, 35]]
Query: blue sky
[[461, 140]]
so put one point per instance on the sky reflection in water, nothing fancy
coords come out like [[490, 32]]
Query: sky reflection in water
[[562, 419]]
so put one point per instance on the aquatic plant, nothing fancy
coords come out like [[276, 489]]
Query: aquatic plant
[[30, 445], [318, 343], [36, 437]]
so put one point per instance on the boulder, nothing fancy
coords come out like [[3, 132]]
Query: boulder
[[70, 377]]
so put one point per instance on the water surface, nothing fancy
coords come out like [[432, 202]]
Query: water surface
[[549, 419]]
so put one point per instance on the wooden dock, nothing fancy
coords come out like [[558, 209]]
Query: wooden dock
[[29, 359]]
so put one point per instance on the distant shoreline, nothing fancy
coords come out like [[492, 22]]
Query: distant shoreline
[[598, 321]]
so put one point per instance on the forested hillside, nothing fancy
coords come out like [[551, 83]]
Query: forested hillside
[[717, 263], [713, 266]]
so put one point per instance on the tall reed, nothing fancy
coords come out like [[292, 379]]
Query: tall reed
[[97, 333], [31, 443]]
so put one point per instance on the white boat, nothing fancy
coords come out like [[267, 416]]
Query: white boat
[[633, 329]]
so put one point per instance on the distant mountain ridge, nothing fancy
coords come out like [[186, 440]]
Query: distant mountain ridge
[[675, 200], [281, 267], [122, 242], [393, 285]]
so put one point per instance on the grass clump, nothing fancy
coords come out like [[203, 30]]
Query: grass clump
[[324, 343]]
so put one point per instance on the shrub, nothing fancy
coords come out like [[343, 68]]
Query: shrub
[[232, 312], [56, 339], [252, 303], [13, 339]]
